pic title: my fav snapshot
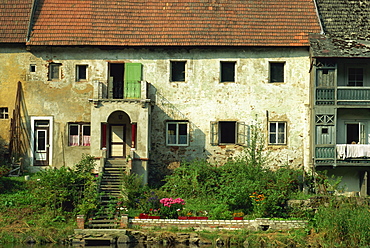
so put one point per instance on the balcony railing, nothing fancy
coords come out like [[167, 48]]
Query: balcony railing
[[342, 95], [343, 152], [131, 90]]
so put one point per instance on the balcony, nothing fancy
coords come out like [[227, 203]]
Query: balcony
[[342, 154], [343, 96], [135, 91]]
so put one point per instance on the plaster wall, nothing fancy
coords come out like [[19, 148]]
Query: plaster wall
[[12, 70], [200, 99]]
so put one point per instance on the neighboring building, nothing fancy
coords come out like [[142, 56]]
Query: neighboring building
[[341, 93], [159, 82]]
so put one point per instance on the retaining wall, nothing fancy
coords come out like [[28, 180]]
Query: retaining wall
[[257, 224]]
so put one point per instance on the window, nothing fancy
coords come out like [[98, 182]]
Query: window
[[32, 68], [178, 71], [228, 132], [355, 76], [227, 71], [277, 133], [277, 72], [54, 71], [124, 81], [4, 113], [177, 133], [81, 72], [79, 134]]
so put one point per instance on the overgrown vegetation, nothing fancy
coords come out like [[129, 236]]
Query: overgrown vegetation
[[243, 185], [44, 208]]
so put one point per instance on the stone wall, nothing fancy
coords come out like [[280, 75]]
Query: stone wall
[[255, 225]]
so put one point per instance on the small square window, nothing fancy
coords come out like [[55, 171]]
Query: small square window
[[4, 114], [177, 133], [81, 72], [324, 131], [277, 133], [79, 134], [32, 68], [178, 71], [54, 71], [277, 72], [227, 71]]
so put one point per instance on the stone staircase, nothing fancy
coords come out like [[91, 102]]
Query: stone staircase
[[109, 189]]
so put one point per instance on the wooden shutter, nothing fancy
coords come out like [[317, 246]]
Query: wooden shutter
[[214, 133], [242, 133], [132, 78]]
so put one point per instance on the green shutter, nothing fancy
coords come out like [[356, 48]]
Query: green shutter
[[132, 80]]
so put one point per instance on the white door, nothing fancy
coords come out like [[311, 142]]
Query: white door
[[41, 144]]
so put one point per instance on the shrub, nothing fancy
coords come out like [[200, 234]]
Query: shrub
[[68, 189]]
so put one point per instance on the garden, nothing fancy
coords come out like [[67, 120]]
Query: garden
[[45, 207]]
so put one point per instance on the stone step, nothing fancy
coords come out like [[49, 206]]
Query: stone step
[[116, 162]]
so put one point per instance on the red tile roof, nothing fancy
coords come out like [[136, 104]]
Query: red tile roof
[[14, 18], [174, 22]]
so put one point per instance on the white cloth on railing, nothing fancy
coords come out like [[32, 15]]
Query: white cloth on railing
[[352, 151], [341, 151]]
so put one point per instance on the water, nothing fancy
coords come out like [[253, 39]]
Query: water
[[111, 246]]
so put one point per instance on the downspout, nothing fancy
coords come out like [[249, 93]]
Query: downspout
[[30, 21]]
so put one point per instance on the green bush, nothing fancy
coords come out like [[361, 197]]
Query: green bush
[[67, 189], [343, 223]]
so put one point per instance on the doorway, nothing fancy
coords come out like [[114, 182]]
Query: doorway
[[41, 140], [355, 133], [117, 141]]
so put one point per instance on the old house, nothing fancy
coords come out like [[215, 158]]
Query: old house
[[155, 82], [341, 93]]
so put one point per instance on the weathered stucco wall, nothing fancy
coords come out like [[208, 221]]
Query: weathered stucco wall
[[12, 70], [199, 100]]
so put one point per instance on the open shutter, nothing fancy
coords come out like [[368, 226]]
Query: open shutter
[[242, 133], [132, 78], [214, 133]]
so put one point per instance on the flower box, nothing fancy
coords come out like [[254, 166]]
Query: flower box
[[143, 216], [154, 217], [147, 216], [197, 218], [183, 217], [238, 218]]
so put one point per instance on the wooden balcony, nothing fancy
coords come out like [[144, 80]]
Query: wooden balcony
[[345, 154], [342, 95]]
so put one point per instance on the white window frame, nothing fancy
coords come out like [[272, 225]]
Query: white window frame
[[277, 133], [177, 135], [78, 66], [32, 140], [80, 136]]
